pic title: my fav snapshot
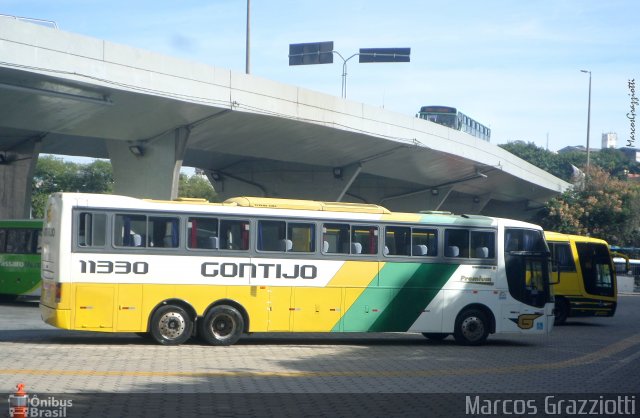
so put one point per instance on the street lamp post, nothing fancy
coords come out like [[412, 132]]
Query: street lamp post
[[344, 72], [248, 47], [588, 117]]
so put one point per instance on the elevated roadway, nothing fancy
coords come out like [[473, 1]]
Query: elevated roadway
[[150, 114]]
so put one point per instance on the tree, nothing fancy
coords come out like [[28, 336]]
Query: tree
[[615, 162], [96, 177], [558, 165], [196, 186], [604, 207], [53, 174]]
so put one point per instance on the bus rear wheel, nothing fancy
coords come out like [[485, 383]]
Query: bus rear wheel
[[472, 327], [222, 325], [171, 325]]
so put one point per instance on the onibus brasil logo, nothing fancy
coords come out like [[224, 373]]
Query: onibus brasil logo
[[23, 405]]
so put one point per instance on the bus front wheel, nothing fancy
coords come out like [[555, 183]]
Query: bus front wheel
[[472, 327], [561, 311], [171, 325], [222, 325]]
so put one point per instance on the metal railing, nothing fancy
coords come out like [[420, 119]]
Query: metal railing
[[42, 22]]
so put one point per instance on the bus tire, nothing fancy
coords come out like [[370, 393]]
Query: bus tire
[[560, 311], [435, 336], [472, 327], [171, 325], [222, 325]]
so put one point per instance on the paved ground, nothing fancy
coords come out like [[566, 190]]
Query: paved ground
[[587, 356]]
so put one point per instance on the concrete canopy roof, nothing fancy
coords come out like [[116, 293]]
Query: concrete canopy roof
[[75, 93]]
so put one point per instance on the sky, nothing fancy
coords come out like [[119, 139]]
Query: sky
[[513, 66]]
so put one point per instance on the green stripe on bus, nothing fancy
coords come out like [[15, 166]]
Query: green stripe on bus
[[403, 291], [413, 296]]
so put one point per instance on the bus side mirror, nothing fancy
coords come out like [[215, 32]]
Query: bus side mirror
[[626, 269]]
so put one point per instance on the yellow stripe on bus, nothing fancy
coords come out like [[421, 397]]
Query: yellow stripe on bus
[[356, 274]]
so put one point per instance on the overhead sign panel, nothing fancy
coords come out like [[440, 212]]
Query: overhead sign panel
[[385, 55], [311, 53]]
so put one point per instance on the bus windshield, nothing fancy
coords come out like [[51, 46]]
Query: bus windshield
[[527, 266], [448, 120], [597, 270]]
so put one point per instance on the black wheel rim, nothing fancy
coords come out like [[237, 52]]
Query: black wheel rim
[[222, 327]]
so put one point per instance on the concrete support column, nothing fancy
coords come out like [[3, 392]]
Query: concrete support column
[[349, 173], [150, 168], [17, 165]]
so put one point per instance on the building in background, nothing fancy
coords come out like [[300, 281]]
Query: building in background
[[576, 148], [633, 154], [609, 140]]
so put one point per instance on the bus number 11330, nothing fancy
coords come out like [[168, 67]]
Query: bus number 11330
[[113, 267]]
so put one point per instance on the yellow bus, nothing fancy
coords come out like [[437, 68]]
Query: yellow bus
[[588, 283], [184, 268]]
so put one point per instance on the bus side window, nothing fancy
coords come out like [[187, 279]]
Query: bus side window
[[21, 241], [563, 256], [130, 231], [164, 232], [234, 235], [302, 237], [202, 233], [337, 238], [364, 239], [483, 244], [424, 242], [92, 229], [397, 240], [456, 243], [272, 236], [283, 236]]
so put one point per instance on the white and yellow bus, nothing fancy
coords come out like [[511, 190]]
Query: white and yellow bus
[[178, 269], [588, 280]]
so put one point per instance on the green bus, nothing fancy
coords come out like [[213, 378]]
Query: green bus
[[20, 258]]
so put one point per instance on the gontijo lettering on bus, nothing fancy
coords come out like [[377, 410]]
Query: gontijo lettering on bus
[[263, 270]]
